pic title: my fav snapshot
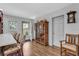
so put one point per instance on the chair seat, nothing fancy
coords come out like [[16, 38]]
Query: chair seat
[[69, 46], [11, 50]]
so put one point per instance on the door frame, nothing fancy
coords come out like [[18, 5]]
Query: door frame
[[53, 25]]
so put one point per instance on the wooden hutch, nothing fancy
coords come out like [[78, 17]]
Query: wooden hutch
[[41, 30], [1, 22]]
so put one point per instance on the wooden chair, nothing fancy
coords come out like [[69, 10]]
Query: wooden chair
[[70, 44], [15, 48]]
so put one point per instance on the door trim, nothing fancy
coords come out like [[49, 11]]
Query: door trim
[[52, 28]]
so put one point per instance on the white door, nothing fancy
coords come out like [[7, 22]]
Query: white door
[[58, 29]]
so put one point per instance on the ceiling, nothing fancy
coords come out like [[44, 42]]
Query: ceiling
[[31, 10]]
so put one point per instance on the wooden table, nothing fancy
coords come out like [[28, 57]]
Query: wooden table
[[6, 39]]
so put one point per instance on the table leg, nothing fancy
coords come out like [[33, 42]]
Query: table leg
[[2, 51]]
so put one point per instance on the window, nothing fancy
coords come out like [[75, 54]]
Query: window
[[25, 28]]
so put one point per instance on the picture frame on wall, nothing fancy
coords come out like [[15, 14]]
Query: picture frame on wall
[[12, 25], [71, 17]]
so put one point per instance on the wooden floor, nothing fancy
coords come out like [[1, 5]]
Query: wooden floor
[[40, 50]]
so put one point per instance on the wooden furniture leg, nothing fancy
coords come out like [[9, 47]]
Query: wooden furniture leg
[[61, 48], [65, 51], [77, 50], [2, 50]]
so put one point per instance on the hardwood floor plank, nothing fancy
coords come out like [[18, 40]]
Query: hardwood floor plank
[[41, 50]]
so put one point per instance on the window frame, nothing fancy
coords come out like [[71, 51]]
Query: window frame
[[27, 28]]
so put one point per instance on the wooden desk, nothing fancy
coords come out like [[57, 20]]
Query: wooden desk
[[6, 39]]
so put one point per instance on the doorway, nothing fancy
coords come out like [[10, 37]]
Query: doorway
[[57, 30], [26, 29]]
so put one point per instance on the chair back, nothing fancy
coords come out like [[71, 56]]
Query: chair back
[[72, 38]]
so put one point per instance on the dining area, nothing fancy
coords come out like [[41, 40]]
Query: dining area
[[14, 44]]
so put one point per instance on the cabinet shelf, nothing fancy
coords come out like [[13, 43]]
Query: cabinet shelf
[[41, 29]]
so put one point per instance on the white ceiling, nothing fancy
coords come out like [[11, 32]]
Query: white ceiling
[[30, 10]]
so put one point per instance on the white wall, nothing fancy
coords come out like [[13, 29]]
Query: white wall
[[19, 20], [68, 28]]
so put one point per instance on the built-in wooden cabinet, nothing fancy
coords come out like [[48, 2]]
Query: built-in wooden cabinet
[[1, 22], [41, 30]]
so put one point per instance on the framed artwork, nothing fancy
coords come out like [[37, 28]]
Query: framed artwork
[[71, 17], [12, 25]]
